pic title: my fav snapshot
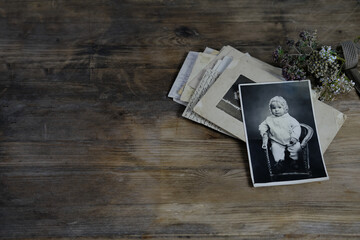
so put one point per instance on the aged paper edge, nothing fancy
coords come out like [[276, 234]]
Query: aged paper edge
[[202, 88], [201, 62], [192, 83]]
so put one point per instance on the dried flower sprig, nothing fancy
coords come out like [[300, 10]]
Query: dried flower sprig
[[305, 59]]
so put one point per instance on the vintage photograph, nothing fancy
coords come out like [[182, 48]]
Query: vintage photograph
[[230, 102], [281, 134]]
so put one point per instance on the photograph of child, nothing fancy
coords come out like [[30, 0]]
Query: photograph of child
[[283, 130], [281, 134]]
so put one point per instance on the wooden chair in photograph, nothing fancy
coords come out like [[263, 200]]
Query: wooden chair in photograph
[[303, 164]]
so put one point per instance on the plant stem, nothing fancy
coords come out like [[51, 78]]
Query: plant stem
[[297, 50]]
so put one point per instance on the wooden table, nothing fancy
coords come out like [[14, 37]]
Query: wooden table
[[92, 147]]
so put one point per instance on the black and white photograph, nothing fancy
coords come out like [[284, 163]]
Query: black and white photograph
[[230, 102], [281, 134]]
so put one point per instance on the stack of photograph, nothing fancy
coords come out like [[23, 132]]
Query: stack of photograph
[[285, 127]]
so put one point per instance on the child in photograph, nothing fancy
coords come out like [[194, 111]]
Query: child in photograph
[[283, 130]]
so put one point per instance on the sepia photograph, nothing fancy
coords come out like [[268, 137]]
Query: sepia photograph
[[282, 138]]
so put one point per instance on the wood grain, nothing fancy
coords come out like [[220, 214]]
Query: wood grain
[[91, 147]]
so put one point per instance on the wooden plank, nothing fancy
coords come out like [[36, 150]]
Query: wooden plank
[[172, 202], [92, 148], [178, 219]]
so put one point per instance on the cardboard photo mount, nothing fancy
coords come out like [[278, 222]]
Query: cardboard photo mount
[[207, 106]]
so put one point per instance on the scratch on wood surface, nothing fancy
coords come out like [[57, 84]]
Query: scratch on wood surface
[[2, 92], [45, 131], [72, 223], [128, 84]]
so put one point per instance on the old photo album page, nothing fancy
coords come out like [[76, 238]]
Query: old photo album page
[[281, 134]]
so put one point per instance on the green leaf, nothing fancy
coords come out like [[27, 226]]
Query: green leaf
[[302, 58]]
